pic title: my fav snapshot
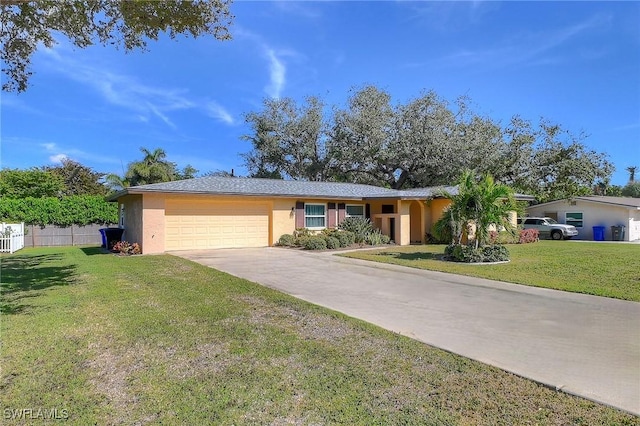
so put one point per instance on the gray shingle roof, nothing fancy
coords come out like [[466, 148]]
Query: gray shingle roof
[[283, 188], [257, 187]]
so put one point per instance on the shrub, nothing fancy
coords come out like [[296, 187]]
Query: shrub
[[65, 211], [469, 254], [528, 236], [315, 243], [346, 238], [360, 227], [302, 232], [302, 241], [125, 247], [376, 237], [495, 253], [287, 240], [502, 237], [332, 243], [301, 235]]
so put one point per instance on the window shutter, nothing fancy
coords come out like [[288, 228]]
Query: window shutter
[[299, 214], [331, 215], [341, 212], [367, 211]]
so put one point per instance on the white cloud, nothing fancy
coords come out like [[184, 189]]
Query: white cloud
[[218, 112], [58, 158], [527, 48], [123, 90], [277, 75], [49, 146]]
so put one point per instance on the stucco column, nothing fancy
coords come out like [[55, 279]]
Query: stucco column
[[403, 223], [153, 221]]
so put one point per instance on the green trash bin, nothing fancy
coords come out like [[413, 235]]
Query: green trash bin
[[617, 233]]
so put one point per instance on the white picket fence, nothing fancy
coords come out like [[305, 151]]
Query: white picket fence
[[11, 237]]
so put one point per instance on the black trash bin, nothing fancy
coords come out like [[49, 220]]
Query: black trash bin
[[617, 233], [112, 235]]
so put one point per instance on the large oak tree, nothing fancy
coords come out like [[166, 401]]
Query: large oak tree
[[26, 25], [426, 141]]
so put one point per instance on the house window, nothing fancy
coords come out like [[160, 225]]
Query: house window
[[387, 208], [314, 216], [574, 219], [355, 210]]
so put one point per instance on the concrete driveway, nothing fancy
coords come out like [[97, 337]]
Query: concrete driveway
[[584, 345]]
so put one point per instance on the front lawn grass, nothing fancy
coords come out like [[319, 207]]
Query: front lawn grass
[[160, 340], [609, 270]]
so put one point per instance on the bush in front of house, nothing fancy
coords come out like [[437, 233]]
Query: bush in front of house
[[287, 240], [346, 238], [528, 236], [125, 247], [376, 237], [332, 242], [315, 243], [470, 254], [360, 227], [523, 236], [495, 253]]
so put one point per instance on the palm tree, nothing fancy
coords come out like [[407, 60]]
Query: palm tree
[[115, 182], [632, 173], [483, 203], [153, 168]]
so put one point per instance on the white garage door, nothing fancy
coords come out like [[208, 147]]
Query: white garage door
[[201, 224]]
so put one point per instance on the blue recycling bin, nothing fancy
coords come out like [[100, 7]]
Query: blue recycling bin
[[104, 237], [598, 233], [111, 235]]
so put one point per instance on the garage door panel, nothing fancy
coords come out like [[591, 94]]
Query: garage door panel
[[203, 225]]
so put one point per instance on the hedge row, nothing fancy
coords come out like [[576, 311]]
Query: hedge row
[[66, 211]]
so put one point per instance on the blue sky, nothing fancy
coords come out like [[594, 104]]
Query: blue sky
[[575, 63]]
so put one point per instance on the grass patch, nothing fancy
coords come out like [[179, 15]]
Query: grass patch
[[159, 339], [609, 270]]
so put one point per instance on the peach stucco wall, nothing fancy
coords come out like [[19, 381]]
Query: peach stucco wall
[[283, 218], [148, 212], [153, 222], [436, 208], [132, 218]]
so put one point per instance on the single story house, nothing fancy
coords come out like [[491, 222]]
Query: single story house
[[228, 212], [586, 212]]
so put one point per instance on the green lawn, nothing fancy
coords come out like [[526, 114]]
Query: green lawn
[[610, 270], [157, 339]]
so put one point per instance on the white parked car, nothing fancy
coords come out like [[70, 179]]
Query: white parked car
[[548, 228]]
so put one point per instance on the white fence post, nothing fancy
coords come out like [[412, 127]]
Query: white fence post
[[13, 240]]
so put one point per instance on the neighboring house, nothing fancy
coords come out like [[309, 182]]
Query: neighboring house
[[586, 212], [225, 212]]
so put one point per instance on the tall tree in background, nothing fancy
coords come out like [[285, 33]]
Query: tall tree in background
[[131, 24], [632, 173], [78, 179], [288, 140], [424, 142], [34, 182], [360, 140]]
